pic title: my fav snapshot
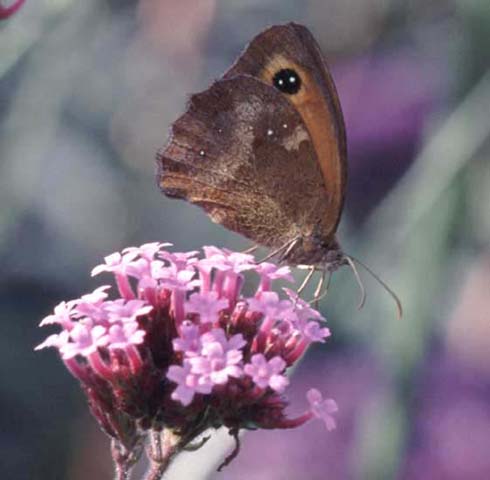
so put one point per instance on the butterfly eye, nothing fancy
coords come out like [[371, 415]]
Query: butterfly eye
[[287, 81]]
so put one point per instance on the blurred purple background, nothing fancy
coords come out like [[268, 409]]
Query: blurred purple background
[[87, 93]]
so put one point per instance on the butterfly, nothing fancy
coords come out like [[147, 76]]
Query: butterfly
[[263, 151]]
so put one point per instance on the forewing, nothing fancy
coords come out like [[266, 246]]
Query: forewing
[[293, 46]]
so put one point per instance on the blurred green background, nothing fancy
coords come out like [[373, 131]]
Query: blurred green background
[[88, 90]]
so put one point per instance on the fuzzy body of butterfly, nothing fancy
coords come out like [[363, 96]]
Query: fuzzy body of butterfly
[[263, 151]]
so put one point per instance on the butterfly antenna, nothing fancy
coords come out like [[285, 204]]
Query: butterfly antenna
[[352, 265], [393, 295]]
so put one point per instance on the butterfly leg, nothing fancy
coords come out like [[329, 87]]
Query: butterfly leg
[[251, 249], [312, 270], [319, 294], [288, 250], [287, 247]]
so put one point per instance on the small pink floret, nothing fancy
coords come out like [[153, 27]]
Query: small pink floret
[[267, 373], [62, 315], [147, 250], [314, 332], [270, 305], [183, 280], [122, 336], [189, 340], [85, 341], [206, 305], [188, 384], [274, 272], [322, 408], [126, 311], [57, 340], [227, 261]]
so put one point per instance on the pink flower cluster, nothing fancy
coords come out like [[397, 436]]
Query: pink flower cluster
[[182, 348]]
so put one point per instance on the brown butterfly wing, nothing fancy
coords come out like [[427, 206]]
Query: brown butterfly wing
[[293, 46], [242, 152]]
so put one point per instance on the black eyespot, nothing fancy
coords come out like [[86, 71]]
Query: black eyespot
[[287, 81]]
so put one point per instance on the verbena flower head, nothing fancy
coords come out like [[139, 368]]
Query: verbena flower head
[[179, 348]]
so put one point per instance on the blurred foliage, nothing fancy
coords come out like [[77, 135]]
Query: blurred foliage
[[87, 92]]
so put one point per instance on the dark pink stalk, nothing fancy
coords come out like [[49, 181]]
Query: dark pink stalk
[[124, 286], [178, 297], [219, 278], [232, 287], [134, 358], [150, 295], [99, 366], [296, 422], [298, 351], [264, 286], [205, 277], [77, 370]]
